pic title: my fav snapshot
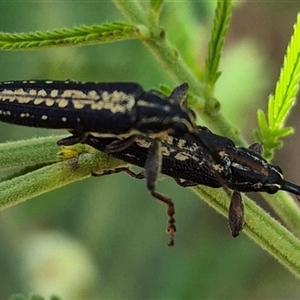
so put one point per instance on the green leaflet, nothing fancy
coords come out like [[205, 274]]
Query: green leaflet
[[271, 127], [219, 32], [95, 34]]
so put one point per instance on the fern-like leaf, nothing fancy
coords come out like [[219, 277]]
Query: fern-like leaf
[[220, 29], [96, 34], [272, 127]]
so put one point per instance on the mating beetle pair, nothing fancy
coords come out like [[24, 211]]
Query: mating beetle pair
[[145, 129], [120, 110]]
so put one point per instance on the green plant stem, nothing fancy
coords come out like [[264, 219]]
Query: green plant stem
[[27, 153], [133, 11], [25, 187], [260, 227], [172, 62], [59, 174], [178, 70], [286, 208]]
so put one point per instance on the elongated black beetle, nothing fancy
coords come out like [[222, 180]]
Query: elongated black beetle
[[120, 110], [185, 160], [243, 169], [123, 110]]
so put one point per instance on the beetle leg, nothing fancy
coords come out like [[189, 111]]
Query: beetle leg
[[236, 214], [120, 145], [76, 138], [118, 170], [185, 183], [152, 169]]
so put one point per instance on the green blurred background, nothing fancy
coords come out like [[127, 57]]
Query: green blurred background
[[103, 238]]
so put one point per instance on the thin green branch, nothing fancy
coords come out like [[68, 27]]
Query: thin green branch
[[83, 35], [35, 183], [27, 153], [261, 228], [154, 11], [160, 46], [156, 5], [172, 62], [84, 160], [132, 11], [286, 208]]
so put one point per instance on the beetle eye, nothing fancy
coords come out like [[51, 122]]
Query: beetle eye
[[180, 128], [272, 189]]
